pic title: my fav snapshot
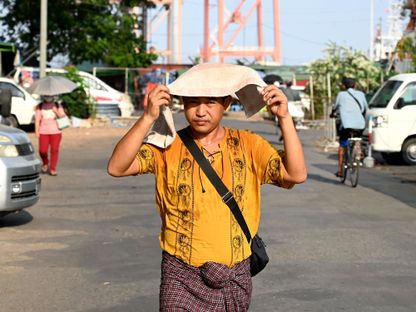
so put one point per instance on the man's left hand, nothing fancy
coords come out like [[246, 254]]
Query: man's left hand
[[276, 101]]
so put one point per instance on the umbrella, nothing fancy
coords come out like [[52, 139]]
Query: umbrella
[[52, 85], [272, 78]]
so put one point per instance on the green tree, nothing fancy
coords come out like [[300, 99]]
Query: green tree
[[342, 62], [406, 48], [85, 30], [78, 103]]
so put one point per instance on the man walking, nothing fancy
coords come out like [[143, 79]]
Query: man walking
[[206, 265]]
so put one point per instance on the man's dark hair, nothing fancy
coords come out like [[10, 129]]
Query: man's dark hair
[[348, 82]]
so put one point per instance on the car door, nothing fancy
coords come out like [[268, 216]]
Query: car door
[[402, 118]]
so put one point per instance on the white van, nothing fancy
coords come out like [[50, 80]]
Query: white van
[[108, 100], [23, 104], [393, 111]]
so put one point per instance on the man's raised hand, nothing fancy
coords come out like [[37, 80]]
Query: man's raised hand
[[276, 101], [158, 97]]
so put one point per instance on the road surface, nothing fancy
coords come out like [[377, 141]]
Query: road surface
[[90, 244]]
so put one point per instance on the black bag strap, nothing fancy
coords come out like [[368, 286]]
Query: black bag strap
[[226, 196], [362, 109]]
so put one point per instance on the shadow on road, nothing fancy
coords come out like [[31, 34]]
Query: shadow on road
[[379, 181], [28, 128], [16, 219], [322, 179]]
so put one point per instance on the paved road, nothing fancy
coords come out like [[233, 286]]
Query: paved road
[[90, 244]]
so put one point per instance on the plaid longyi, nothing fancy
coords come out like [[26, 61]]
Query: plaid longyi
[[213, 287]]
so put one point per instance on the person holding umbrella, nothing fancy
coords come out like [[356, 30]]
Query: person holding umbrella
[[46, 113], [48, 133]]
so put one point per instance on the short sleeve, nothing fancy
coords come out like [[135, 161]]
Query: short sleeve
[[269, 163], [274, 171], [38, 114], [147, 156]]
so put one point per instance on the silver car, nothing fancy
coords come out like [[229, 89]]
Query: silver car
[[19, 171]]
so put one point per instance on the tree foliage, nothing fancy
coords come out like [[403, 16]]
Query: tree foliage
[[342, 62], [406, 49], [85, 30], [78, 103]]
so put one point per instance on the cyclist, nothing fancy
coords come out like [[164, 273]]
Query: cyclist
[[350, 106]]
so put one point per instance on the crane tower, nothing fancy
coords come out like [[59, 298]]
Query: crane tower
[[215, 43]]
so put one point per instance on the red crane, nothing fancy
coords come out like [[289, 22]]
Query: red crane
[[222, 48], [215, 44]]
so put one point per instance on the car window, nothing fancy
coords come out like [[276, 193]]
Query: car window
[[409, 94], [384, 94], [91, 83], [14, 90]]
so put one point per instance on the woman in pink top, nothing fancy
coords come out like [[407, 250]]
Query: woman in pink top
[[47, 131]]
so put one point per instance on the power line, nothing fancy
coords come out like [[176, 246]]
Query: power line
[[315, 11], [340, 21], [303, 39]]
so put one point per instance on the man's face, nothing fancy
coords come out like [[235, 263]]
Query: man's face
[[205, 113]]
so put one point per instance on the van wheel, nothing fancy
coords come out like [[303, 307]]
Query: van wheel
[[12, 121], [409, 151]]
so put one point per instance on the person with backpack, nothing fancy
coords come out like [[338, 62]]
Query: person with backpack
[[350, 107]]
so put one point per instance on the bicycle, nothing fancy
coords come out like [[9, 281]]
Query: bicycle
[[352, 161]]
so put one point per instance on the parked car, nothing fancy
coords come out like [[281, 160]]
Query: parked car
[[393, 112], [19, 166], [23, 104], [109, 101]]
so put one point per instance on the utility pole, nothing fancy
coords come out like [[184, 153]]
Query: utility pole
[[144, 23], [371, 54], [175, 32], [43, 37]]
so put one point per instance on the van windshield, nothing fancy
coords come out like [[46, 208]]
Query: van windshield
[[384, 95]]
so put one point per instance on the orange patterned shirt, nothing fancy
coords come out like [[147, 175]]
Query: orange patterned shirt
[[196, 225]]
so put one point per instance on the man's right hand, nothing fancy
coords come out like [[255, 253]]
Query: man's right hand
[[123, 161], [158, 97]]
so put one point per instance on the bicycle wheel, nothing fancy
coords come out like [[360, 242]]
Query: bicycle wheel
[[354, 166], [345, 165]]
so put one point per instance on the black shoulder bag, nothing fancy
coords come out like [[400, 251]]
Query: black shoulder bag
[[259, 257]]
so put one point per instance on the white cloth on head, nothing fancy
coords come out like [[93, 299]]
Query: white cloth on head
[[210, 80], [216, 80]]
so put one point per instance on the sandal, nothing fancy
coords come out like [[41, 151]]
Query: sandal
[[338, 175], [53, 173], [44, 169]]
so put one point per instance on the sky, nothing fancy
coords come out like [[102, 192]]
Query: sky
[[307, 26]]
